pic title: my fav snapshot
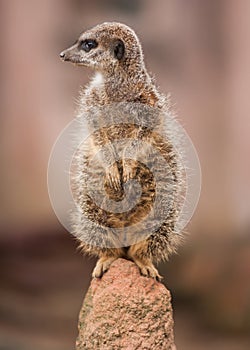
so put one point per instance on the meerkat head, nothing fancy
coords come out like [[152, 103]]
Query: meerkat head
[[106, 48]]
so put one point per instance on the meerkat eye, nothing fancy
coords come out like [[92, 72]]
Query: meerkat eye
[[88, 44]]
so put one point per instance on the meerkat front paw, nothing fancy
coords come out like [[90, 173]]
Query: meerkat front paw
[[113, 178], [112, 185], [102, 265], [128, 171]]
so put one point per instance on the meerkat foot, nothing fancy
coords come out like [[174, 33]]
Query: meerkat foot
[[102, 265], [113, 177], [147, 269]]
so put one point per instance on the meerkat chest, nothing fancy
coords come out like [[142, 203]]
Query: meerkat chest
[[94, 93], [97, 81]]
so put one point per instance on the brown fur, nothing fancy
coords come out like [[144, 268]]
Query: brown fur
[[123, 80]]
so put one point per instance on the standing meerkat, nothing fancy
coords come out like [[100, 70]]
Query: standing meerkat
[[114, 52]]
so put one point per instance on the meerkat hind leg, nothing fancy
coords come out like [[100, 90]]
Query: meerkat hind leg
[[102, 266], [145, 265], [104, 262]]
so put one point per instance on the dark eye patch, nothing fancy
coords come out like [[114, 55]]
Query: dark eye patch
[[119, 49], [88, 44]]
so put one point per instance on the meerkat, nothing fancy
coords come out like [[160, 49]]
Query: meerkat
[[114, 52]]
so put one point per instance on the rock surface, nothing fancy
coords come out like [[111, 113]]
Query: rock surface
[[124, 310]]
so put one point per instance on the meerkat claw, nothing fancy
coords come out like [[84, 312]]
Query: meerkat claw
[[147, 269], [151, 271]]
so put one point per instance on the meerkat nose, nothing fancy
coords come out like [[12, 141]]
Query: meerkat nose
[[62, 55]]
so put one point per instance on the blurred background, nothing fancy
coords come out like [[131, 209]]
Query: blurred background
[[199, 51]]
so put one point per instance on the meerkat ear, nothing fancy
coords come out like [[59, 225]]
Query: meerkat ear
[[119, 49]]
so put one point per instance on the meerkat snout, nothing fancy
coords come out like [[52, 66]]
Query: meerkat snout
[[72, 54]]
